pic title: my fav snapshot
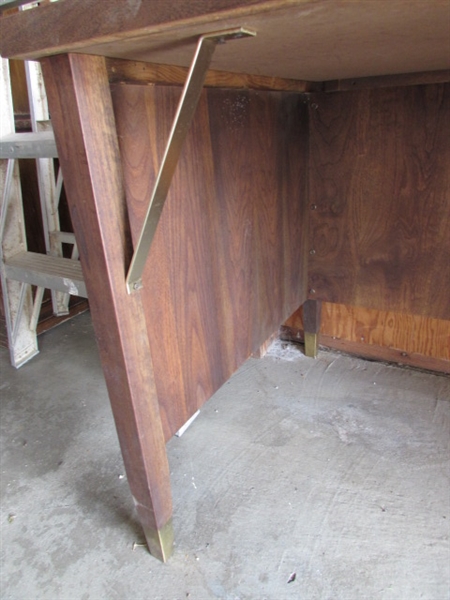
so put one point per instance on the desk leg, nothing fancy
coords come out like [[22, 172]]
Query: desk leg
[[83, 121], [311, 326]]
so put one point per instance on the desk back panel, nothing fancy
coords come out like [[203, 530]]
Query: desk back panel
[[227, 265], [380, 199]]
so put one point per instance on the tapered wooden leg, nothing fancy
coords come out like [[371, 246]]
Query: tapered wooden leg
[[83, 121], [311, 326]]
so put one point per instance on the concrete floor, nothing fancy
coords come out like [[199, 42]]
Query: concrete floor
[[335, 470]]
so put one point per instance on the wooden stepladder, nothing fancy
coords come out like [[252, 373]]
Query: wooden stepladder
[[20, 269]]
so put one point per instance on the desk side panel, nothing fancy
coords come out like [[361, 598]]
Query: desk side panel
[[227, 265]]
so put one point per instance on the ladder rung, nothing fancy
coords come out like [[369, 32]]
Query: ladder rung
[[65, 237], [51, 272], [28, 145]]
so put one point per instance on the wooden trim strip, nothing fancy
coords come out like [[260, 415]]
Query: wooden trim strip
[[142, 73], [399, 80], [371, 351]]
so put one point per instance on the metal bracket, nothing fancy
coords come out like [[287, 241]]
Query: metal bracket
[[186, 108]]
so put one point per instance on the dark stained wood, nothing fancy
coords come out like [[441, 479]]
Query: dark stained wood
[[31, 205], [362, 83], [311, 315], [131, 71], [227, 265], [19, 90], [262, 350], [313, 40], [379, 199], [77, 86]]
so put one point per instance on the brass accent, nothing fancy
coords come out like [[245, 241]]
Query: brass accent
[[311, 344], [160, 541], [186, 108]]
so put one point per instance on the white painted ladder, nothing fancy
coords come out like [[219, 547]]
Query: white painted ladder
[[20, 269]]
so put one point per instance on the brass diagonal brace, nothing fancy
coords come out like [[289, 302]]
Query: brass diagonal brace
[[186, 108]]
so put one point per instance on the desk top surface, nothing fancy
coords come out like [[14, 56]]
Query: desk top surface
[[315, 40]]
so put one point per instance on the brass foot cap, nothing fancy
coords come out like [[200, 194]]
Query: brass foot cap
[[160, 541]]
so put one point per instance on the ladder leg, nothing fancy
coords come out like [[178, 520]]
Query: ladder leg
[[37, 307], [17, 302], [83, 120]]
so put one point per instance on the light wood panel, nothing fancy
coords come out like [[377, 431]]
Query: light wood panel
[[380, 199], [314, 40], [227, 265], [384, 335]]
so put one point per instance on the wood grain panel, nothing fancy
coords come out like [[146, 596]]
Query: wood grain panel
[[227, 264], [380, 199], [385, 335]]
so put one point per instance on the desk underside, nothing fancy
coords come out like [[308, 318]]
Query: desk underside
[[315, 40]]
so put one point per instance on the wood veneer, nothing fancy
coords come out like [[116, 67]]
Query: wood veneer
[[313, 40], [228, 262], [378, 199]]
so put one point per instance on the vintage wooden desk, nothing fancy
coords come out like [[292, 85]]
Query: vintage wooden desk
[[279, 140]]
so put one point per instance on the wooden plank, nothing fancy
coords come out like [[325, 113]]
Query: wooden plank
[[312, 310], [227, 263], [134, 72], [312, 40], [119, 22], [28, 145], [371, 351], [393, 355], [50, 272], [379, 199], [363, 83], [413, 340], [89, 156]]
